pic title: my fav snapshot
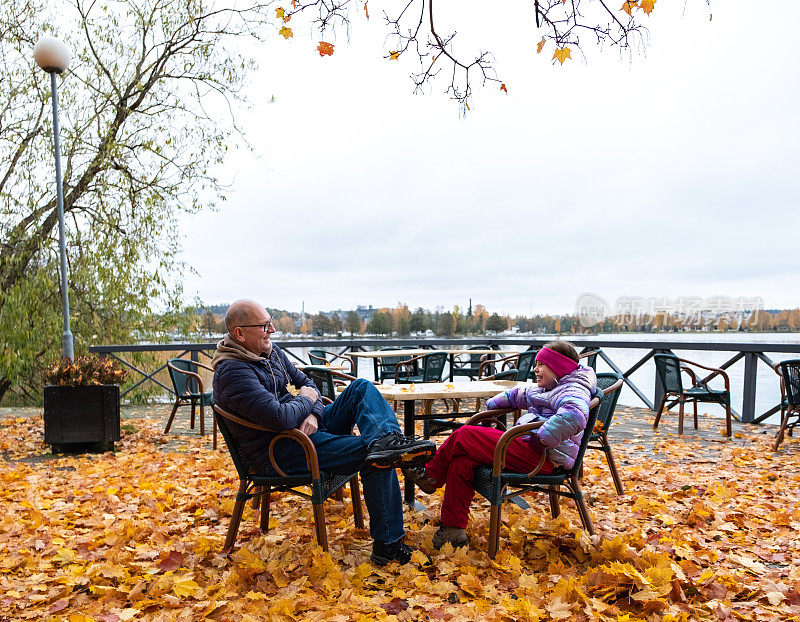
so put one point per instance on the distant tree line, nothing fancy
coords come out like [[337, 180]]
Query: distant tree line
[[402, 322]]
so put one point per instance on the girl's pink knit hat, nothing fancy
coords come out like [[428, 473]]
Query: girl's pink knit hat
[[560, 365]]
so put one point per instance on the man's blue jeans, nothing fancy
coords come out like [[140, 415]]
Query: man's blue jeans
[[362, 406]]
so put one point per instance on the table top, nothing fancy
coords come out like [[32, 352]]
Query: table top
[[418, 351], [303, 366], [439, 390]]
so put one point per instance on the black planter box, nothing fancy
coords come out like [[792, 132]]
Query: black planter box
[[83, 418]]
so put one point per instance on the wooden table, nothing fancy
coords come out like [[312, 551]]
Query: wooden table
[[430, 391]]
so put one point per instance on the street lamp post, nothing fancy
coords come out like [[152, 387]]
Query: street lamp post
[[53, 56]]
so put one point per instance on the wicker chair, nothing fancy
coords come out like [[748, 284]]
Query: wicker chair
[[493, 483], [259, 487], [189, 389], [324, 357], [789, 372], [599, 438], [669, 367], [469, 366]]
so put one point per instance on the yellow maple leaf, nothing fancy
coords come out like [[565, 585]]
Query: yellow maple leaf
[[286, 32], [184, 587], [647, 6], [279, 12], [540, 45], [629, 5], [562, 54], [394, 55]]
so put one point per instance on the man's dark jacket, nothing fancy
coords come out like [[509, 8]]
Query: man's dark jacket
[[254, 388]]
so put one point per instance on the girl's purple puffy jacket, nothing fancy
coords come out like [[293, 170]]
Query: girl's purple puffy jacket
[[565, 410]]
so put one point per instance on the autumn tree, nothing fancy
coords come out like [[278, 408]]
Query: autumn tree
[[402, 320], [381, 323], [496, 324], [353, 323]]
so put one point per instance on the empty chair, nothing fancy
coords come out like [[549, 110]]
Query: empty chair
[[189, 389], [789, 372], [669, 367], [470, 364], [422, 368], [517, 367], [324, 357], [385, 366]]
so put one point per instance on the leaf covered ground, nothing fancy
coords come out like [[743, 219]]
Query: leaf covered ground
[[708, 530]]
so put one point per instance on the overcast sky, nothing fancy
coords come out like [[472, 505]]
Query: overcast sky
[[669, 174]]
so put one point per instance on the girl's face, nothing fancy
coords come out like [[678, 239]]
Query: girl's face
[[545, 377]]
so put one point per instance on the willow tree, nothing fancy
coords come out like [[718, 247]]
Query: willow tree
[[146, 114]]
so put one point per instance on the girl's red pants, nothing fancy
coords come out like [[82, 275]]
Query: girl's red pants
[[467, 447]]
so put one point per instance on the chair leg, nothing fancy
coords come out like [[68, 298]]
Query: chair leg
[[494, 530], [781, 430], [257, 498], [355, 496], [680, 416], [264, 523], [612, 465], [728, 430], [695, 414], [660, 409], [236, 517], [202, 420], [214, 427], [554, 509], [319, 526], [580, 503], [191, 421], [172, 415]]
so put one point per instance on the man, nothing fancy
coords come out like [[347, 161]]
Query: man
[[252, 379]]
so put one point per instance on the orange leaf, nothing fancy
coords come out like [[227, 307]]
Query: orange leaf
[[562, 54], [394, 55], [366, 10], [540, 45], [629, 5], [325, 49], [503, 88], [647, 6], [286, 18], [294, 4], [286, 32]]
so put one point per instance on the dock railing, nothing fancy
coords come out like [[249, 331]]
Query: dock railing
[[750, 354]]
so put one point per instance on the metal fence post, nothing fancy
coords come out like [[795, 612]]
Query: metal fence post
[[749, 388]]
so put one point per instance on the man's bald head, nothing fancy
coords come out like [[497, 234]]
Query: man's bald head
[[241, 312]]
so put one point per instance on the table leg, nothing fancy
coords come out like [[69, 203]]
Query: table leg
[[377, 370], [408, 429]]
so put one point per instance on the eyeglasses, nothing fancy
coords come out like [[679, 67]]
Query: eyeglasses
[[265, 327]]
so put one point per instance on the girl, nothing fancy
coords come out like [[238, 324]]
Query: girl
[[560, 397]]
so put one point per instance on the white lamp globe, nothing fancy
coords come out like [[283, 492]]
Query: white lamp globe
[[51, 54]]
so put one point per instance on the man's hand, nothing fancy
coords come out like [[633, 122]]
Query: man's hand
[[309, 425], [310, 393]]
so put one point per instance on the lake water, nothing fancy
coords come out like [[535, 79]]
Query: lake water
[[767, 388]]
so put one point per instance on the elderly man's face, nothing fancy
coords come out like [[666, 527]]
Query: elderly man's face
[[255, 336]]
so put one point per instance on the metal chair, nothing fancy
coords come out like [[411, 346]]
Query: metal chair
[[188, 387], [493, 483], [668, 367], [789, 372], [324, 357], [327, 380], [613, 383], [470, 366], [259, 487]]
